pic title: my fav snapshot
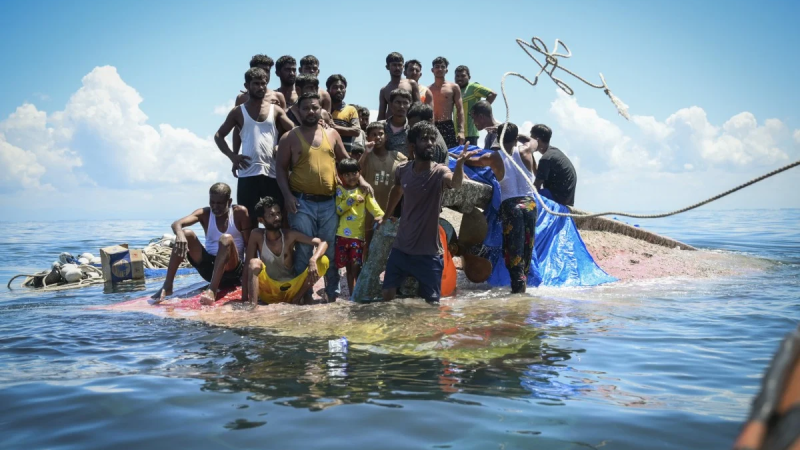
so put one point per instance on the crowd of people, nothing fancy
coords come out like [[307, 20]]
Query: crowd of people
[[315, 178]]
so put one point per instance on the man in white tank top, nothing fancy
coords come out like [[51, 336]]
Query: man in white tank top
[[261, 123], [219, 261], [517, 207]]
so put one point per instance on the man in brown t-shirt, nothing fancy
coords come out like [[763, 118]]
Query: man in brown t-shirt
[[417, 251]]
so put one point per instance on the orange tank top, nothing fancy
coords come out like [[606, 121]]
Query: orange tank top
[[315, 171]]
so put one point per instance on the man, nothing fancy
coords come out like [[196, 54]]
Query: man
[[261, 123], [306, 83], [394, 64], [419, 112], [396, 126], [219, 261], [555, 172], [517, 205], [311, 151], [286, 70], [309, 64], [446, 99], [471, 93], [481, 114], [363, 117], [270, 254], [417, 249], [345, 117], [413, 71], [360, 142]]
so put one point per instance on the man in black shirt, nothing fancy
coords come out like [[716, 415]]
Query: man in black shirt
[[555, 172]]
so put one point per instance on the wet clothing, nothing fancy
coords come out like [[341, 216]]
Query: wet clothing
[[558, 175], [258, 144], [315, 171], [426, 269], [472, 94], [274, 264], [514, 182], [352, 213], [346, 116], [249, 190], [518, 217], [447, 128], [379, 172], [213, 234], [277, 291], [316, 216], [417, 233], [347, 250], [205, 267]]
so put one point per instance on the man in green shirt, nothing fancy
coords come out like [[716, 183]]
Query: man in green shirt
[[471, 93]]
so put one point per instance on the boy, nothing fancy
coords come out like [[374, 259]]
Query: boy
[[378, 165], [351, 205]]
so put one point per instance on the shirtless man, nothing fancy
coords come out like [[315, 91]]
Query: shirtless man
[[446, 97], [413, 71], [306, 83], [219, 262], [310, 64], [394, 64], [286, 70]]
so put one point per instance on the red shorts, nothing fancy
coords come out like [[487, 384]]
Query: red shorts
[[347, 250]]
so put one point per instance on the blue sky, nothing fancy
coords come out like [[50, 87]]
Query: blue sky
[[687, 70]]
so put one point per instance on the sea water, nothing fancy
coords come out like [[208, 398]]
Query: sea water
[[670, 363]]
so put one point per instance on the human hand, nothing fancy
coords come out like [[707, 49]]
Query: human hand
[[460, 138], [313, 274], [359, 199], [181, 245], [464, 155], [240, 161], [291, 204], [234, 171], [369, 146], [366, 187]]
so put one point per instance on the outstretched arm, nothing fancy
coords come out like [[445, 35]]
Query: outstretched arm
[[492, 160], [453, 180]]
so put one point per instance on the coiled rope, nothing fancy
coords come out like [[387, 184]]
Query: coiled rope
[[551, 60]]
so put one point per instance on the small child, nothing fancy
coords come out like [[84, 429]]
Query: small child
[[379, 164], [351, 206]]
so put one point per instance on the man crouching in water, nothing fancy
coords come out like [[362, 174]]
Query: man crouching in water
[[270, 255], [219, 262]]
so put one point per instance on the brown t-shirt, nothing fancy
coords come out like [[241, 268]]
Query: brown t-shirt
[[418, 233], [379, 172]]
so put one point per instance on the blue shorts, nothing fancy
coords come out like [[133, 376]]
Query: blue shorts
[[426, 269]]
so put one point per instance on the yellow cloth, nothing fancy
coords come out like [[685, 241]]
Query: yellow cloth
[[272, 291], [315, 171], [352, 213]]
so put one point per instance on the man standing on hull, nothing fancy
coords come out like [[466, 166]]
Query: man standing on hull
[[555, 173], [413, 71], [345, 117], [394, 64], [446, 99], [286, 70], [472, 93], [309, 64]]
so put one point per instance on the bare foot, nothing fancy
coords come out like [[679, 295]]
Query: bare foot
[[160, 296], [208, 297]]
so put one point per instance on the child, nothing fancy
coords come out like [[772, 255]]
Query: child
[[351, 206], [378, 165]]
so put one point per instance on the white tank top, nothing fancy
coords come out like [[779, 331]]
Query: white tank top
[[213, 234], [258, 143], [514, 182], [276, 269]]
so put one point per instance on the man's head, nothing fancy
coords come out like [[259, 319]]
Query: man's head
[[255, 81], [542, 133], [462, 76], [310, 109], [422, 137], [399, 102], [363, 117], [337, 87], [309, 64], [268, 212], [219, 199], [481, 114], [306, 83], [349, 171], [394, 64], [419, 112], [439, 66], [262, 62], [377, 134], [413, 70], [286, 69], [356, 152], [510, 138]]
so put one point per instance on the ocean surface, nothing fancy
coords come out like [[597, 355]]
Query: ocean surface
[[667, 364]]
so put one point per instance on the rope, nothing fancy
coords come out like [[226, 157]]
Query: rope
[[551, 60]]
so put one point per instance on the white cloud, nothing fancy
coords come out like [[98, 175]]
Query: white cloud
[[18, 168], [224, 109]]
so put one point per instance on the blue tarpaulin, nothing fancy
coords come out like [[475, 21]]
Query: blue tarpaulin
[[560, 257], [160, 273]]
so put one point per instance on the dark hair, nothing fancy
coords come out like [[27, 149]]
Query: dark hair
[[348, 165], [374, 126], [541, 132], [305, 79], [394, 57], [282, 61], [399, 93], [420, 129], [254, 72], [410, 62], [263, 205], [483, 108], [421, 110], [308, 60], [464, 68], [221, 189], [307, 96], [511, 132], [354, 150], [334, 78], [261, 60], [440, 60], [363, 110]]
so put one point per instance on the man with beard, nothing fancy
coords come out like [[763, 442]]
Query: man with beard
[[311, 151], [419, 112], [306, 83], [394, 64], [345, 117], [471, 93], [270, 254], [261, 123], [286, 70], [413, 71], [309, 64], [417, 250], [219, 261], [446, 100]]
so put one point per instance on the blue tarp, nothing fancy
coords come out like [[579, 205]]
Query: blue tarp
[[560, 257], [160, 273]]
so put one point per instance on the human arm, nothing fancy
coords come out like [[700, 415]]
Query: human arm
[[237, 140], [352, 129], [250, 253], [239, 161], [284, 159], [414, 91], [486, 93], [340, 153], [325, 100], [375, 209], [493, 160], [526, 153], [395, 194], [281, 99], [241, 218], [542, 172], [344, 201], [181, 245], [452, 180], [382, 106], [459, 114]]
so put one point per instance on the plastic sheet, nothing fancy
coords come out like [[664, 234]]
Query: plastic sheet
[[560, 257], [161, 273]]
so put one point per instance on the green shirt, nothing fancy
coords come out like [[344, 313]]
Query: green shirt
[[469, 96]]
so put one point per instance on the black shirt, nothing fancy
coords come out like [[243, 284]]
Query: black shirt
[[558, 175]]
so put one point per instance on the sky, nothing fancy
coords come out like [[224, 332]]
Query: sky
[[108, 109]]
